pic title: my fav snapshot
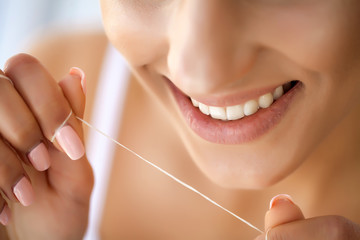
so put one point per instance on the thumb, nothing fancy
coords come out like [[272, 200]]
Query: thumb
[[282, 210], [73, 178], [75, 91]]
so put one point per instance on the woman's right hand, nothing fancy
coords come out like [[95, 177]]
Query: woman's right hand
[[45, 194]]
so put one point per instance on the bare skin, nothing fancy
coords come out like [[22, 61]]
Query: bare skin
[[59, 72], [325, 182], [135, 202], [165, 210]]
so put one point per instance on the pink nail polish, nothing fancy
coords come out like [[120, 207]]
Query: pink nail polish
[[5, 215], [80, 73], [24, 192], [70, 142], [280, 198], [39, 157]]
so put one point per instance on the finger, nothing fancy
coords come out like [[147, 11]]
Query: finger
[[5, 213], [319, 228], [282, 210], [74, 89], [51, 108], [13, 179], [20, 128], [4, 77], [47, 102], [73, 86]]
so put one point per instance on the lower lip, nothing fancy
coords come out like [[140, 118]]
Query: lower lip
[[239, 131]]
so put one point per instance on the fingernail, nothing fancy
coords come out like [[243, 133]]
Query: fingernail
[[280, 198], [24, 192], [39, 157], [80, 73], [70, 142], [5, 215]]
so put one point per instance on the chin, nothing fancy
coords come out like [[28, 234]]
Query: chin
[[256, 179], [241, 167]]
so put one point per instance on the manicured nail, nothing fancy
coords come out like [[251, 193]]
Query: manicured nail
[[80, 73], [24, 192], [39, 157], [5, 215], [280, 198], [70, 142]]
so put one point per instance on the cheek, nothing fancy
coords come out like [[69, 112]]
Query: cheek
[[322, 39], [138, 35], [319, 37]]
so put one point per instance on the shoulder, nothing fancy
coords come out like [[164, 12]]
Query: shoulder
[[60, 51]]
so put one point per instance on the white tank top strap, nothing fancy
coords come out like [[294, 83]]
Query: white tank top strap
[[107, 115]]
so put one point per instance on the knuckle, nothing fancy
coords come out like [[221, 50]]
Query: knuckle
[[24, 134], [18, 61]]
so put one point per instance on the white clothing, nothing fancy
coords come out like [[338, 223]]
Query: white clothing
[[107, 112]]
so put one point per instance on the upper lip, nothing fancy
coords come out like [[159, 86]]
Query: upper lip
[[223, 100]]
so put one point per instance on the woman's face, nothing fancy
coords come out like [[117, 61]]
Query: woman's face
[[226, 54]]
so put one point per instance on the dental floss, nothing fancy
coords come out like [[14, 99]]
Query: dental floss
[[267, 235], [166, 173], [61, 126]]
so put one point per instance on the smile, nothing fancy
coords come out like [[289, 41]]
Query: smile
[[241, 122], [239, 111]]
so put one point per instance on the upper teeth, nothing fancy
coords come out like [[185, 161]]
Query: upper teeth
[[239, 111]]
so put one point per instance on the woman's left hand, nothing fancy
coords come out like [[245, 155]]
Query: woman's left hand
[[285, 221]]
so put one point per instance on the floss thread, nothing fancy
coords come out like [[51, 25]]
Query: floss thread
[[61, 126], [167, 173]]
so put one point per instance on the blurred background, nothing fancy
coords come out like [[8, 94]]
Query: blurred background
[[21, 21]]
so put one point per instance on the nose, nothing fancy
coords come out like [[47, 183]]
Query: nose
[[209, 49]]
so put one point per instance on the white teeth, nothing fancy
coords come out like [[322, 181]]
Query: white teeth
[[239, 111], [218, 113], [279, 91], [250, 107], [195, 103], [234, 112], [266, 100], [204, 109]]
